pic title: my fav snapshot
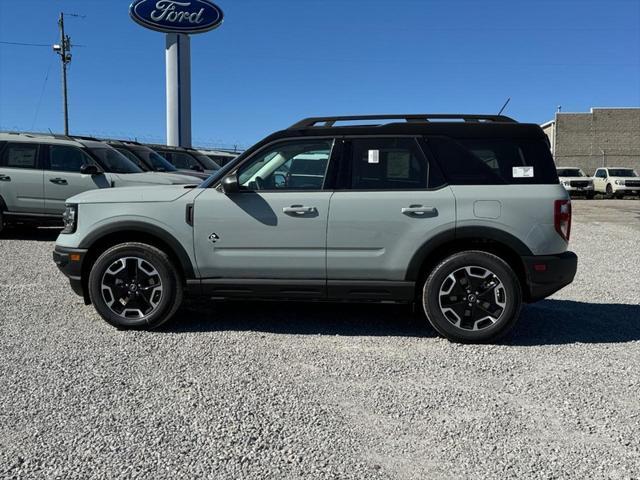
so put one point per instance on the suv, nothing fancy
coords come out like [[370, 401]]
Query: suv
[[575, 181], [464, 216], [187, 159], [151, 161], [38, 172], [616, 181]]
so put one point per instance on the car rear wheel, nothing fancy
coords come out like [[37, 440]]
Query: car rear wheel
[[472, 297], [135, 285]]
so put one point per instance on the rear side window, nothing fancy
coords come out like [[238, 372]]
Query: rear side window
[[494, 161], [19, 155], [388, 164]]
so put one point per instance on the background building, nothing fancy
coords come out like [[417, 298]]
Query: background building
[[602, 137]]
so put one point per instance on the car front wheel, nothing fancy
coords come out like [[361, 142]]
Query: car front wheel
[[472, 297], [135, 285]]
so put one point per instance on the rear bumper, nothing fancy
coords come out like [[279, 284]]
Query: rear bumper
[[546, 274], [69, 261]]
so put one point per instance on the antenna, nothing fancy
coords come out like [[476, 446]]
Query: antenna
[[504, 106]]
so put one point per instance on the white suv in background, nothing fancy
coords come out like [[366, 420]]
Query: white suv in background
[[616, 181], [575, 181]]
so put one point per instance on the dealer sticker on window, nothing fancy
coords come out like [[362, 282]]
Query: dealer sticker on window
[[374, 156], [522, 172]]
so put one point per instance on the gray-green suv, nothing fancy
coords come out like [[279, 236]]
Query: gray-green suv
[[462, 214], [38, 172]]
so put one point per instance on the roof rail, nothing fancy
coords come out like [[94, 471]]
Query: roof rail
[[410, 118]]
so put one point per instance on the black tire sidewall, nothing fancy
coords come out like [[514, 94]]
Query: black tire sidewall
[[171, 292], [505, 273]]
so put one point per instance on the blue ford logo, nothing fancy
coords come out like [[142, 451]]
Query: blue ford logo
[[180, 16]]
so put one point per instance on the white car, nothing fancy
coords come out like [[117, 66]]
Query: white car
[[616, 181], [575, 181]]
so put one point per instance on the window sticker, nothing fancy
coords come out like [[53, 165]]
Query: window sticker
[[522, 172], [374, 156]]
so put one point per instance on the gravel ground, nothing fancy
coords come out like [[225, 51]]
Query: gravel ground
[[250, 390]]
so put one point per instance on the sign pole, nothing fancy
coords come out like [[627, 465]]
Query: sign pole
[[178, 73]]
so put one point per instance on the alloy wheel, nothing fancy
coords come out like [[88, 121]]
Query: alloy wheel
[[472, 298], [131, 287]]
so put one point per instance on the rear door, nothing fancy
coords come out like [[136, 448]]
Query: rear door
[[21, 178], [390, 200], [62, 177], [600, 180]]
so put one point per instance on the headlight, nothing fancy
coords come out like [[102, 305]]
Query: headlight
[[619, 182], [70, 218], [566, 183]]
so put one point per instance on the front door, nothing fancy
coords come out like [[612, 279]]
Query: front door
[[275, 227], [62, 177], [389, 202]]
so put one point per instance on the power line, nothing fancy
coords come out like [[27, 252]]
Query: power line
[[28, 44]]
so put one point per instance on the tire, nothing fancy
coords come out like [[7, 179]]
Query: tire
[[503, 300], [141, 275], [609, 191], [1, 222]]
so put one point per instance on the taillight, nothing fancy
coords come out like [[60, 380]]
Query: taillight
[[562, 218]]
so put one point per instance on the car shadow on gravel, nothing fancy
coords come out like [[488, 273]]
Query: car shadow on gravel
[[556, 322], [294, 318], [44, 234], [549, 322]]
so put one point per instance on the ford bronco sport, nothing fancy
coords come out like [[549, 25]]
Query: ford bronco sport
[[461, 214], [38, 172]]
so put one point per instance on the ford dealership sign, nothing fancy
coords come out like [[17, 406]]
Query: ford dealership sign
[[179, 16]]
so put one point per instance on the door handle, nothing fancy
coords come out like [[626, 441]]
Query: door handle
[[5, 178], [420, 211], [299, 210], [59, 181]]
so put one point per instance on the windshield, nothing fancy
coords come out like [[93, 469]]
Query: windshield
[[622, 172], [157, 161], [113, 161], [570, 172], [206, 162]]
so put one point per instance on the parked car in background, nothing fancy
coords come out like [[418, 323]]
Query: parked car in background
[[575, 181], [221, 157], [616, 181], [38, 172], [151, 161], [187, 159], [463, 216]]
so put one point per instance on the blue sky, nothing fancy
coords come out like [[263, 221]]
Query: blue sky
[[273, 62]]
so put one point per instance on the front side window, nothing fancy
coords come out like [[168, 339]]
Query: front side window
[[19, 155], [182, 160], [388, 164], [63, 158], [294, 165], [157, 161], [601, 174]]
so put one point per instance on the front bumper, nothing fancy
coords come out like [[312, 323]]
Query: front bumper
[[572, 189], [69, 261], [546, 274]]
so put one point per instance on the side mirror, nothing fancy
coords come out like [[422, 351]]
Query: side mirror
[[89, 170], [230, 184], [197, 168]]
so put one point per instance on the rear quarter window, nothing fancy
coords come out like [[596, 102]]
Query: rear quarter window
[[494, 161]]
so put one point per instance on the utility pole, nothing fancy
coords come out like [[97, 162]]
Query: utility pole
[[64, 50]]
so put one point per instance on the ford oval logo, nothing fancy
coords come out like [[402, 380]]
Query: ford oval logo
[[179, 16]]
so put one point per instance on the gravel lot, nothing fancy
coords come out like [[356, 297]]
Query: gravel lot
[[268, 390]]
